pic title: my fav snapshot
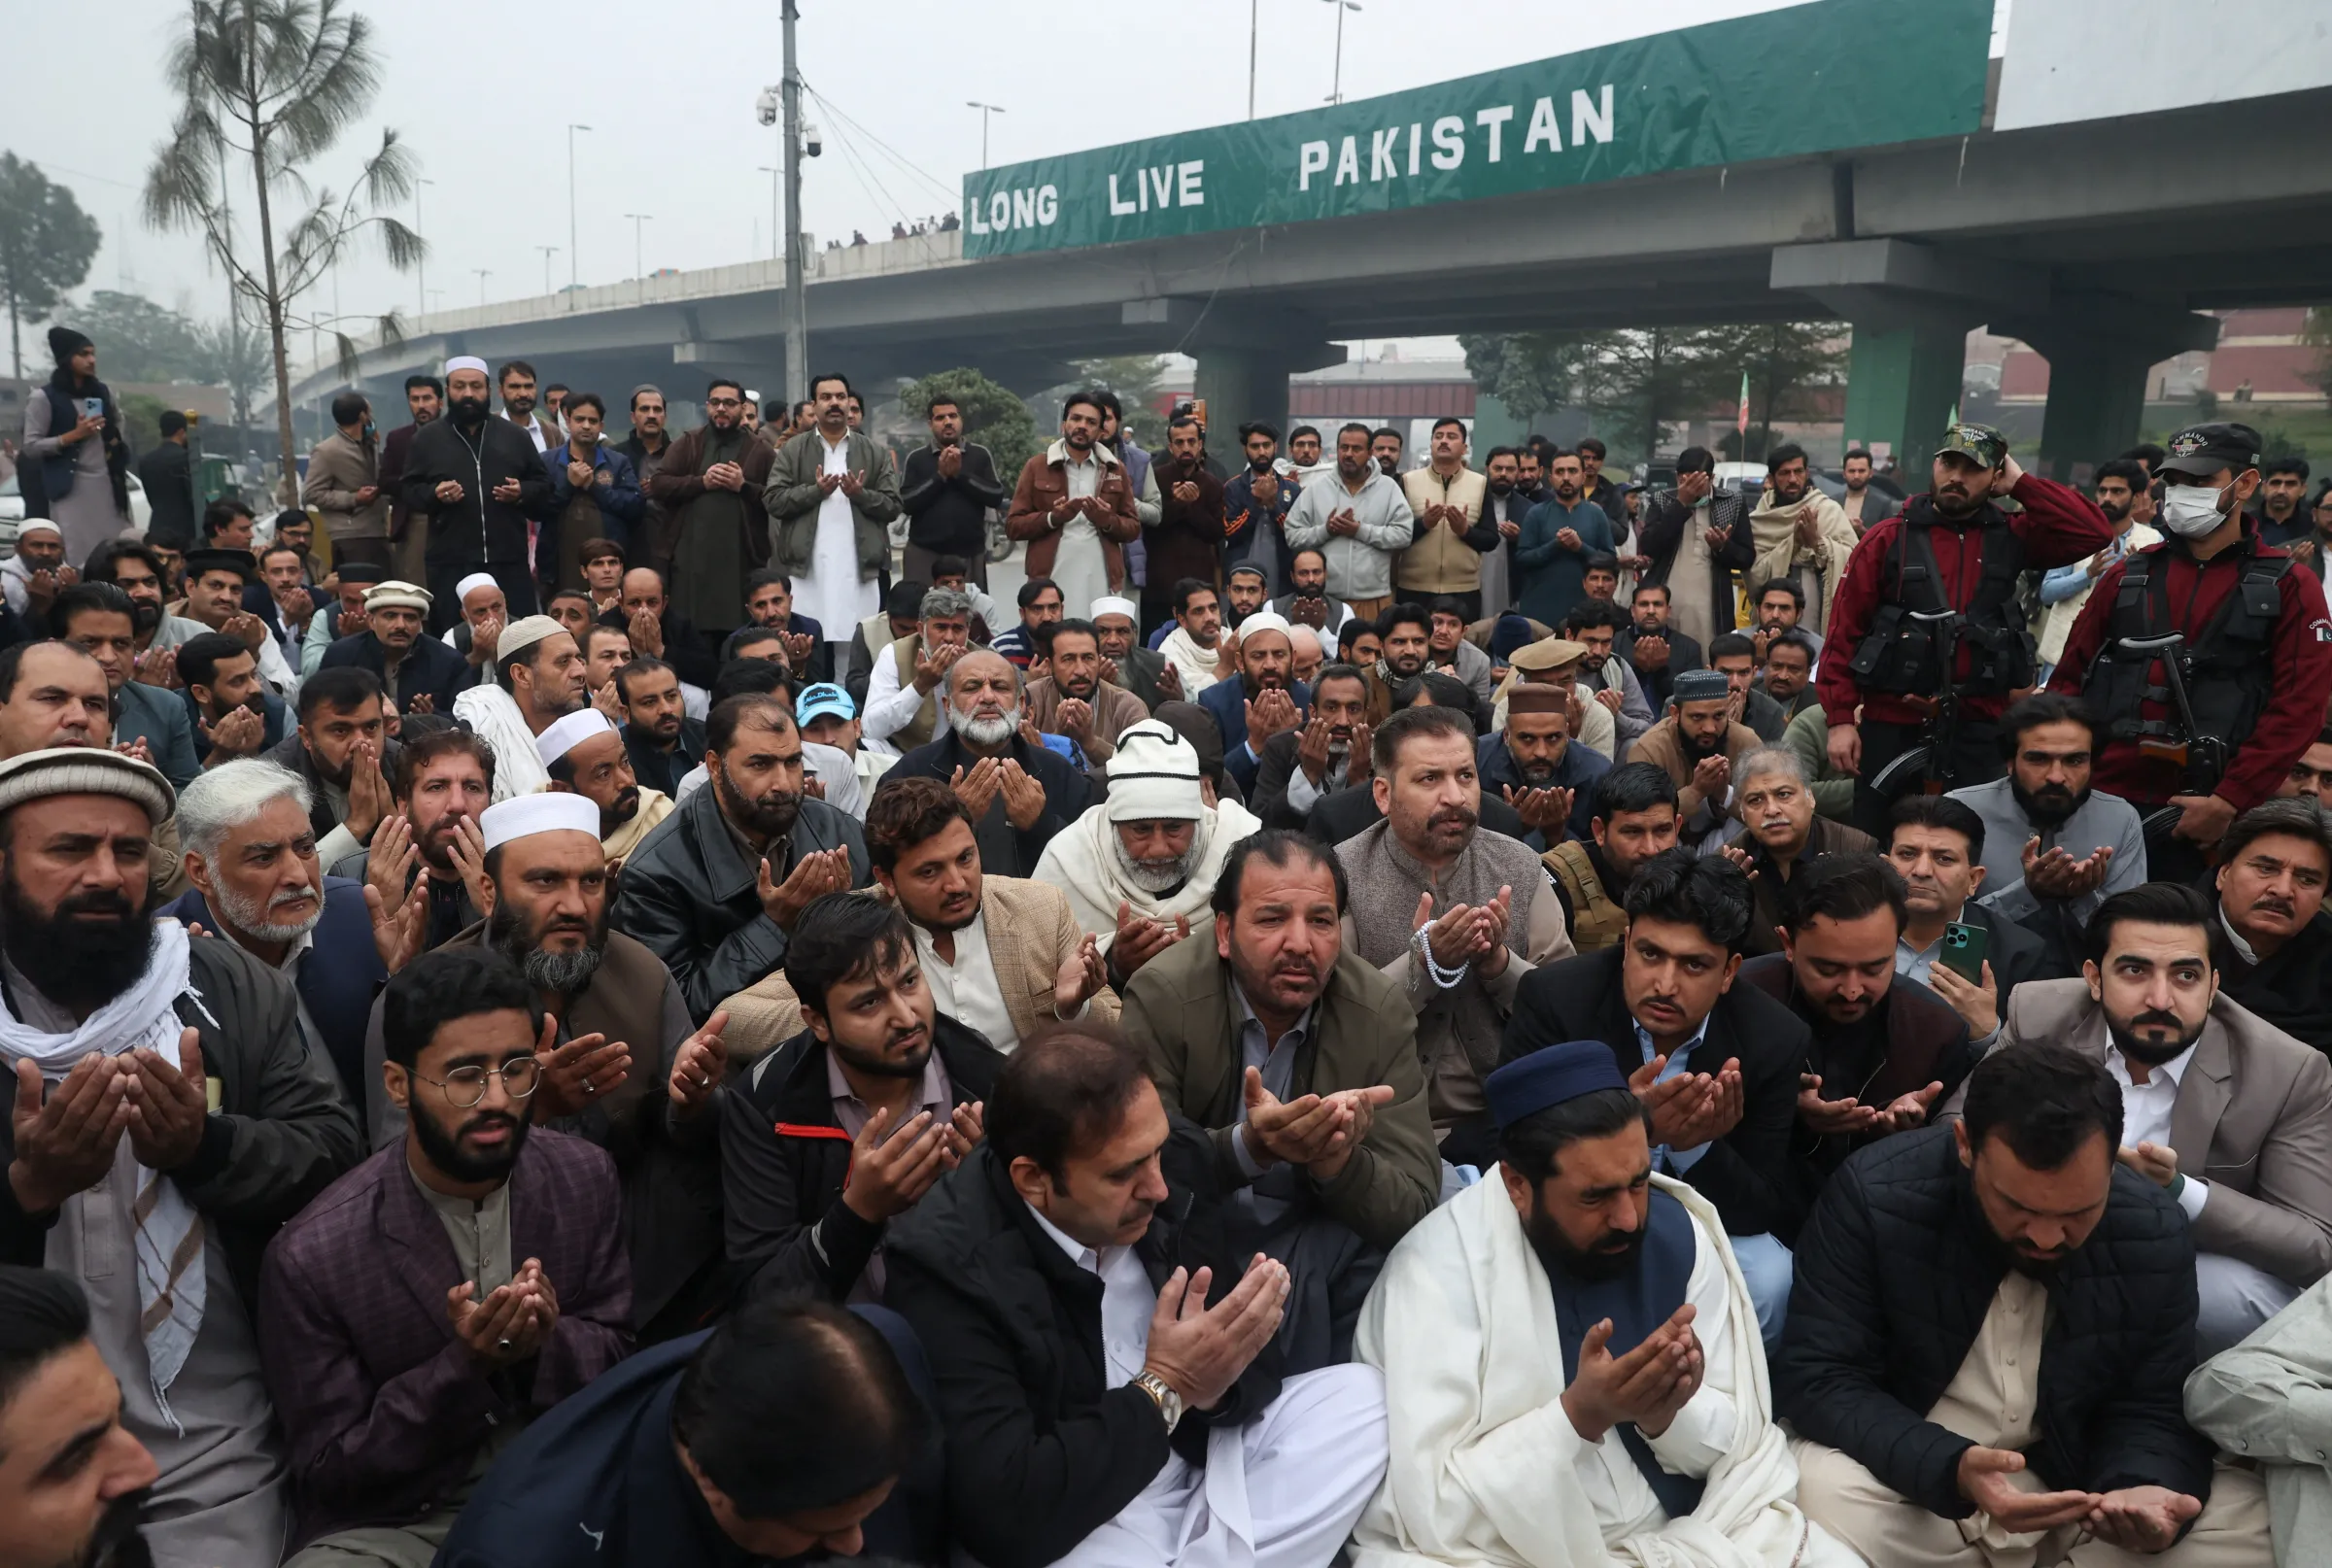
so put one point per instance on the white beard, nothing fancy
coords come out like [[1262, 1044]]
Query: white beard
[[252, 920], [1155, 880], [984, 731]]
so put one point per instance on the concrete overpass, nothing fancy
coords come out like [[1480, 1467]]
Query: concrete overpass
[[2097, 242]]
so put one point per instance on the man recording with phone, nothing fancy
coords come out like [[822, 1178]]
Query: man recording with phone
[[1951, 944]]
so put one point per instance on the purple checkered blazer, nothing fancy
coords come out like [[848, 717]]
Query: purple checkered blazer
[[383, 1410]]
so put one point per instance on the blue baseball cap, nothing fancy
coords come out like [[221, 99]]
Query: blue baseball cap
[[824, 700]]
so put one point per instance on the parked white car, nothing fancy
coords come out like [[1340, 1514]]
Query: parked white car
[[12, 511]]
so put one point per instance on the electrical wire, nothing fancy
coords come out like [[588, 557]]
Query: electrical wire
[[834, 111]]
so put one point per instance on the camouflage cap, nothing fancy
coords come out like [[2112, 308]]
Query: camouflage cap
[[1980, 442]]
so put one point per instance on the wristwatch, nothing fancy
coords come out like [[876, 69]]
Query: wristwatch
[[1161, 1394]]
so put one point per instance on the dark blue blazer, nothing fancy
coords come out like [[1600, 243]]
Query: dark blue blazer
[[1226, 699], [431, 667], [337, 979]]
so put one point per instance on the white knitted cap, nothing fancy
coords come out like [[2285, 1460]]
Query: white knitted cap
[[1155, 774], [36, 775]]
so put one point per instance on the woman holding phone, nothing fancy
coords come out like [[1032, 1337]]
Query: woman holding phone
[[74, 462]]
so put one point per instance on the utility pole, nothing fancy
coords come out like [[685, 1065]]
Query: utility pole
[[1336, 93], [797, 282], [640, 271], [548, 250], [775, 177], [482, 273], [1251, 6], [985, 110], [573, 260]]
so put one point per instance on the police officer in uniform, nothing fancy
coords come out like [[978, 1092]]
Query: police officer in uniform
[[1951, 548], [2256, 662]]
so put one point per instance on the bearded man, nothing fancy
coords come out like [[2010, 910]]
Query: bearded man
[[1075, 698], [251, 852], [477, 482], [118, 1150], [1140, 869], [1020, 792], [1802, 535], [539, 678], [622, 1063], [584, 753], [386, 1429], [1628, 1419], [717, 889]]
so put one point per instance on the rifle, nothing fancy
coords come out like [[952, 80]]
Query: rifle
[[2201, 759], [1935, 761]]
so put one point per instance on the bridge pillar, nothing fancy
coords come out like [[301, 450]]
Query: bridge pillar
[[1247, 381], [2100, 350], [1902, 382]]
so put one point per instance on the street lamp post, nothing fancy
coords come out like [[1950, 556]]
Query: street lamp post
[[573, 259], [640, 271], [482, 273], [985, 110], [1251, 6], [776, 176], [421, 267], [1336, 95], [548, 250]]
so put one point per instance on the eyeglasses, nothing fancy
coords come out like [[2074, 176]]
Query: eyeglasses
[[466, 1086]]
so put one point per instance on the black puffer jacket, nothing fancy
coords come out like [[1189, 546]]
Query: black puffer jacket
[[1896, 1269], [1041, 1451]]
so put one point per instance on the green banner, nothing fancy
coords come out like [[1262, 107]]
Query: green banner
[[1813, 77]]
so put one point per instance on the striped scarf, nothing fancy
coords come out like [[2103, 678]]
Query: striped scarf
[[171, 1282]]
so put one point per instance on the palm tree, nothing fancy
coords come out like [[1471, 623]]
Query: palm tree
[[264, 87]]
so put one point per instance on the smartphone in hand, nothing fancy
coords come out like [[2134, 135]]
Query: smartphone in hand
[[1964, 949]]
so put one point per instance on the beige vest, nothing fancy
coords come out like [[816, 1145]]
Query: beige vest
[[1442, 562], [918, 730], [1596, 920]]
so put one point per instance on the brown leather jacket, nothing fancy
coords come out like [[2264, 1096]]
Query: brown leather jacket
[[1042, 491]]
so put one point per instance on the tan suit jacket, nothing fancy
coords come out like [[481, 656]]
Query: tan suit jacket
[[1031, 934], [2253, 1119]]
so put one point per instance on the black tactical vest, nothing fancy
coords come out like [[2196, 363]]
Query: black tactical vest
[[1904, 655], [2228, 663]]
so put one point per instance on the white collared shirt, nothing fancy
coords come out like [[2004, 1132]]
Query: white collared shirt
[[2146, 1109], [2243, 948], [967, 990], [1127, 1300]]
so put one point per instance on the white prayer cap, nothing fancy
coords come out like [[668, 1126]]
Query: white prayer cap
[[522, 816], [476, 579], [394, 595], [1264, 621], [524, 632], [1110, 605], [567, 733], [1155, 776], [467, 361], [38, 524]]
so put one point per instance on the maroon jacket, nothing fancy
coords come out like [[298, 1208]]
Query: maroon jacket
[[1187, 538], [382, 1408], [2058, 527]]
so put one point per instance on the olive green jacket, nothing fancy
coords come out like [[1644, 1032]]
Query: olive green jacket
[[793, 498]]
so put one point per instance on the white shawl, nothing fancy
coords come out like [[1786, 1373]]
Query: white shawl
[[1817, 569], [169, 1231], [1081, 860], [1462, 1324], [1195, 665], [494, 714]]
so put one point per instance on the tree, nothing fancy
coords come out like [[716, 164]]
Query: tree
[[994, 415], [140, 340], [1788, 363], [233, 356], [1136, 379], [1636, 379], [266, 86], [47, 244]]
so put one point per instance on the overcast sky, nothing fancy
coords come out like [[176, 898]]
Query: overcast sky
[[483, 93]]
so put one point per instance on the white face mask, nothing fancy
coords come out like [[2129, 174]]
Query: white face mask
[[2190, 511]]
